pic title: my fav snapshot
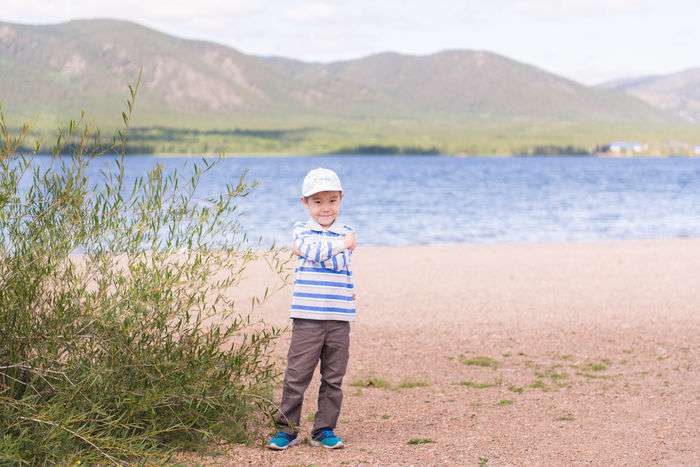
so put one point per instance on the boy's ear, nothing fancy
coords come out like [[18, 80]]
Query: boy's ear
[[304, 202]]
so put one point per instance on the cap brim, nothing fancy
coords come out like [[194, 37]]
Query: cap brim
[[318, 189]]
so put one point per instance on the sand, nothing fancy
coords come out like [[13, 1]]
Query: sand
[[591, 357]]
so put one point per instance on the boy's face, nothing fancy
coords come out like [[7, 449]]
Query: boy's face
[[323, 206]]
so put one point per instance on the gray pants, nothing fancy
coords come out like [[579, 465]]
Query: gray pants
[[314, 340]]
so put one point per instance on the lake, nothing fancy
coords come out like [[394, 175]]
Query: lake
[[406, 200]]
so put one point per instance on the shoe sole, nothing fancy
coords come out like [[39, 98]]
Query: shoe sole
[[292, 443], [315, 443]]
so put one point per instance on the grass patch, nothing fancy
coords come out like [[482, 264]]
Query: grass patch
[[486, 362], [415, 441], [475, 385], [505, 402], [413, 383], [588, 374], [371, 382], [566, 418], [597, 366], [516, 389], [483, 461], [539, 384], [556, 376]]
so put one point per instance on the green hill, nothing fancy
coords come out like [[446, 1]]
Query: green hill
[[678, 93], [201, 96], [470, 83]]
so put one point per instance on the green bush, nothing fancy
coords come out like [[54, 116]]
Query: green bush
[[118, 336]]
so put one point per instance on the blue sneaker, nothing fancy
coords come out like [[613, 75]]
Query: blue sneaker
[[282, 441], [327, 439]]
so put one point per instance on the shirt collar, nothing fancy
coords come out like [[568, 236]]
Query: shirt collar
[[336, 227]]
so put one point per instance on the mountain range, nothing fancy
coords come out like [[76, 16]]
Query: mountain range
[[51, 72], [678, 93]]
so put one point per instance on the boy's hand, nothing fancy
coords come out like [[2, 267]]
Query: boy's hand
[[350, 241], [296, 251]]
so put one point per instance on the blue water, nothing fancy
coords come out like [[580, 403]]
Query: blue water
[[404, 200]]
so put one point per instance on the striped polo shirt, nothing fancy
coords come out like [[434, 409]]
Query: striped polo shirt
[[323, 287]]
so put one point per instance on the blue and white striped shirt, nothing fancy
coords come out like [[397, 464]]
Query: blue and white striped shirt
[[323, 287]]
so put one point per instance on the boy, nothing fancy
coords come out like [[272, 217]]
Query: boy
[[323, 304]]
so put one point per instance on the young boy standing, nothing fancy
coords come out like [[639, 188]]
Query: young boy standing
[[323, 304]]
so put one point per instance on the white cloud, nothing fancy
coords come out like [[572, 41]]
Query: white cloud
[[572, 10], [33, 11], [310, 12]]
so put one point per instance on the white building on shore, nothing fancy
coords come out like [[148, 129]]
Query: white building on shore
[[623, 148]]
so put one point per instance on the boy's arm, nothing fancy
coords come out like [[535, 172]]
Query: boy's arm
[[339, 262], [317, 249]]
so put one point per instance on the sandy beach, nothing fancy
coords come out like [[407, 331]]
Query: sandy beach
[[530, 354]]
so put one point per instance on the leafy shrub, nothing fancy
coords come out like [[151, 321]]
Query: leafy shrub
[[118, 336]]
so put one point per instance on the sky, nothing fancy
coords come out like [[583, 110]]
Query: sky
[[590, 41]]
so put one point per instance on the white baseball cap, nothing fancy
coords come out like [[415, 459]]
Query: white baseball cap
[[318, 180]]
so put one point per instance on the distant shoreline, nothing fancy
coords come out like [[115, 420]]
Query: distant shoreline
[[378, 151], [338, 154]]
